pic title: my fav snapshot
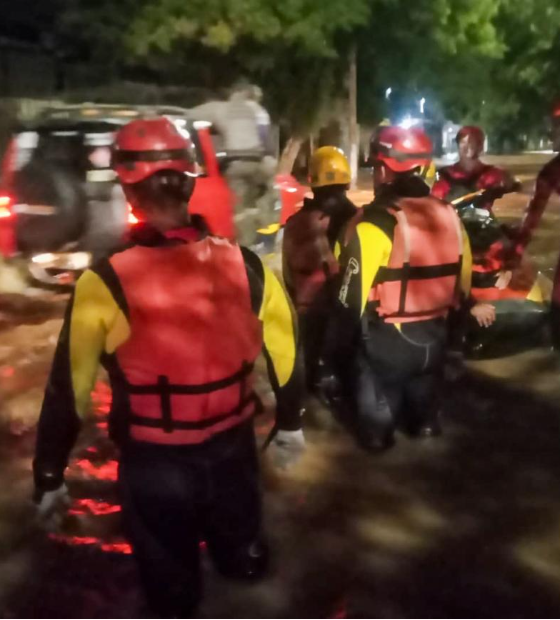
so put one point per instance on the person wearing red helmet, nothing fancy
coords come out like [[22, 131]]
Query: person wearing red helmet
[[403, 269], [548, 183], [178, 319], [470, 174]]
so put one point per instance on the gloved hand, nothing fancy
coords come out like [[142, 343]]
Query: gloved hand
[[286, 448], [51, 505]]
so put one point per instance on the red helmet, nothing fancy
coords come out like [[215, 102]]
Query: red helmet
[[556, 110], [474, 132], [146, 146], [401, 149]]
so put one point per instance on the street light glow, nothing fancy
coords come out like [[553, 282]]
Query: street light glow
[[408, 122]]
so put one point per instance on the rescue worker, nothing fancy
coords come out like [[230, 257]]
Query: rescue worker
[[178, 319], [548, 182], [402, 270], [309, 264], [470, 174], [254, 99], [245, 128]]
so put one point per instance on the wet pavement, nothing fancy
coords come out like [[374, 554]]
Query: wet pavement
[[467, 525]]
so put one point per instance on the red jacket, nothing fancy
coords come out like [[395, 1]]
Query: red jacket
[[453, 182]]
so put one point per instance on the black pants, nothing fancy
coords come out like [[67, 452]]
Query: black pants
[[175, 497], [313, 324], [398, 374]]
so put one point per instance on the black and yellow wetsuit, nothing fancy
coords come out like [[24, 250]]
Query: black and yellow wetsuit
[[172, 495], [389, 370]]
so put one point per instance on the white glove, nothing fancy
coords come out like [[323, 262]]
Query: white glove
[[52, 505], [287, 448]]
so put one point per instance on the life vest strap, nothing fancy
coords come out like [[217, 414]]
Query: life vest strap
[[185, 425], [396, 274], [441, 311], [163, 387], [165, 390]]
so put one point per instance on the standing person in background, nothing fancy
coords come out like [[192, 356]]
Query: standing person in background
[[245, 129]]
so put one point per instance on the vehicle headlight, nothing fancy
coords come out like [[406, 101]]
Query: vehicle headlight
[[43, 259], [79, 260]]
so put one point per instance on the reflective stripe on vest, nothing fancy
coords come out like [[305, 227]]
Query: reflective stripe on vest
[[194, 339], [420, 281]]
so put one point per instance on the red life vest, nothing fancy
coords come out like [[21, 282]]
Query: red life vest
[[308, 256], [193, 342], [421, 280]]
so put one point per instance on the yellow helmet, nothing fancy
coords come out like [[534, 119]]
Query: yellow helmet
[[329, 166]]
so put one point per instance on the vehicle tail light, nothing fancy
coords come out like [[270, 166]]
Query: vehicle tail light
[[5, 206], [132, 219]]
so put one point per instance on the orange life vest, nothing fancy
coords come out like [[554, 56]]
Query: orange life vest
[[421, 280], [193, 342]]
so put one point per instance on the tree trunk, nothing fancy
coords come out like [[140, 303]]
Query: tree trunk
[[353, 129], [289, 154]]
